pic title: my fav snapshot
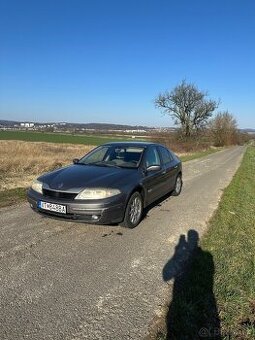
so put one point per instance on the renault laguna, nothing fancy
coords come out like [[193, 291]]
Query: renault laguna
[[111, 184]]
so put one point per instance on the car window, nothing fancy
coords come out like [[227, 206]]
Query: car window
[[152, 157], [122, 156], [165, 154], [96, 155], [125, 156]]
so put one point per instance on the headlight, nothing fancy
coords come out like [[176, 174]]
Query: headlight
[[37, 186], [96, 194]]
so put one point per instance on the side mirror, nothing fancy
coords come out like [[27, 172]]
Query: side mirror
[[153, 168], [75, 160]]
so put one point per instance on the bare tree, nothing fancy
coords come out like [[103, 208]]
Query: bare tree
[[224, 129], [187, 105]]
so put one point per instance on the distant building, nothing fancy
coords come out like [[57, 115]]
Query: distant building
[[134, 131], [27, 125]]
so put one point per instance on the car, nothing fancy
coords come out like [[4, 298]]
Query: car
[[111, 184]]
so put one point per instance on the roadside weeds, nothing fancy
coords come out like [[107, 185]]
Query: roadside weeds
[[12, 196]]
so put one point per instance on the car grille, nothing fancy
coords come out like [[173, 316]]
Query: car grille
[[59, 194]]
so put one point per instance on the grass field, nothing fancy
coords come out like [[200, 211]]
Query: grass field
[[216, 298], [31, 136], [21, 162]]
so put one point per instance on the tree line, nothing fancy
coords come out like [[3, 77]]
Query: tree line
[[192, 111]]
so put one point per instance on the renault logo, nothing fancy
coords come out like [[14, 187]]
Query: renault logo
[[60, 185]]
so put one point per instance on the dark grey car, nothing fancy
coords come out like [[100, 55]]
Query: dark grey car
[[111, 184]]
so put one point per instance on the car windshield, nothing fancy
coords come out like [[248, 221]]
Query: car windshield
[[114, 156]]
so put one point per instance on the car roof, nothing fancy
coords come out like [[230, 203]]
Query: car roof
[[135, 144]]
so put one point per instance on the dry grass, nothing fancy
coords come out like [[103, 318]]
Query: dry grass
[[182, 147], [21, 162]]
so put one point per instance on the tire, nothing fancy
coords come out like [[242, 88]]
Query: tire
[[178, 186], [134, 211]]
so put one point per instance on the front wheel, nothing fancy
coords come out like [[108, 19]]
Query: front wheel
[[134, 209], [178, 186]]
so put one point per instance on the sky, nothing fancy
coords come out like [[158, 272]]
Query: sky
[[106, 61]]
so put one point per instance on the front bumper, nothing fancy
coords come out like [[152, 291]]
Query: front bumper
[[104, 212]]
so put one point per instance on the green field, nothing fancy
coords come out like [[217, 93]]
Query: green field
[[31, 136]]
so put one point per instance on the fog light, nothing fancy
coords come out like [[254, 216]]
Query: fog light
[[95, 217]]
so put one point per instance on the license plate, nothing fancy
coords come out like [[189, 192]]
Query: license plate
[[59, 208]]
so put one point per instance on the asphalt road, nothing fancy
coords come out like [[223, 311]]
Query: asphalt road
[[65, 280]]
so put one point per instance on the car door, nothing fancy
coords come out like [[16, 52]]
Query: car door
[[170, 167], [153, 181]]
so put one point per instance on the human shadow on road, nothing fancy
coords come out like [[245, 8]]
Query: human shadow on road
[[193, 311]]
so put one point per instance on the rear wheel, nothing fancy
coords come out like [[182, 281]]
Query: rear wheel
[[134, 209], [178, 186]]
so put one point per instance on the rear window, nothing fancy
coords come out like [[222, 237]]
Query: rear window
[[166, 155]]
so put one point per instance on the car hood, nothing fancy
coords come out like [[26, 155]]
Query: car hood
[[76, 177]]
